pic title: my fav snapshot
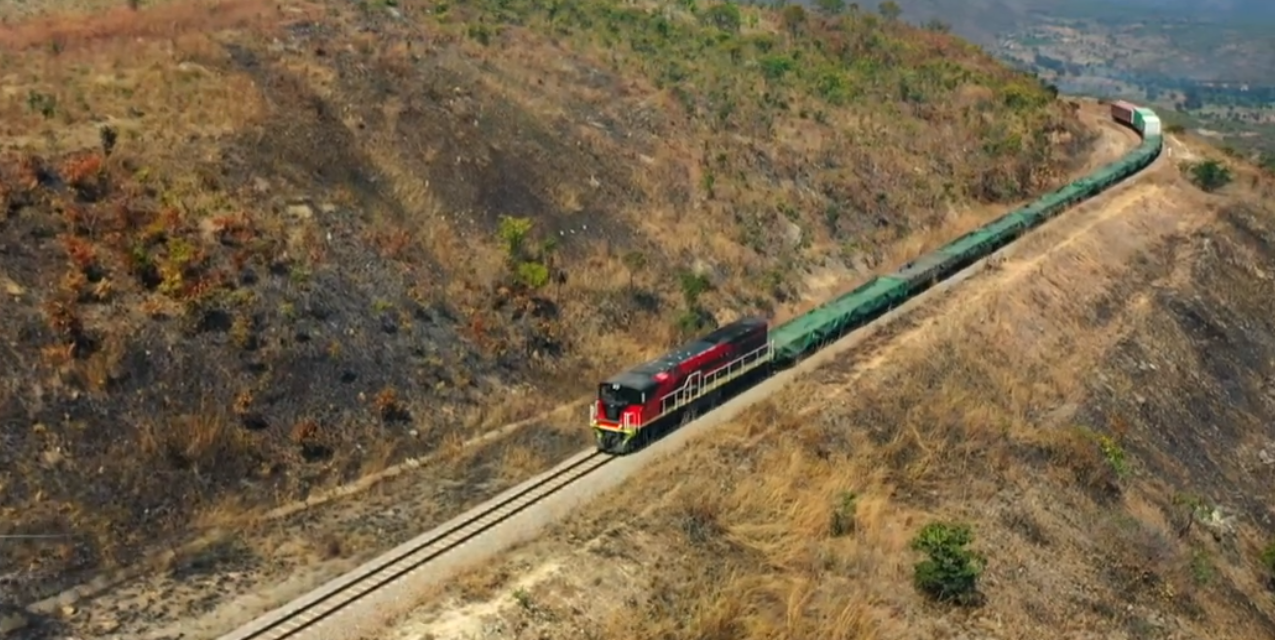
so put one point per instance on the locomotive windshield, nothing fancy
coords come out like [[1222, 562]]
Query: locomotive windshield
[[615, 395]]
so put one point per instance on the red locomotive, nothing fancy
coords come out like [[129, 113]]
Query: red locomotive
[[629, 404]]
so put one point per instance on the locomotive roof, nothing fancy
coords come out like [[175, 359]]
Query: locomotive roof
[[642, 376]]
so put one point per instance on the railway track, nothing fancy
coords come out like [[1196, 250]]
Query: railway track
[[301, 616], [315, 615]]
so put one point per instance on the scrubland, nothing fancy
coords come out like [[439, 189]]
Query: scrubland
[[1095, 410], [250, 250]]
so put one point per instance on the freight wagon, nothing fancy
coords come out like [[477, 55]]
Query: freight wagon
[[635, 405], [1122, 112]]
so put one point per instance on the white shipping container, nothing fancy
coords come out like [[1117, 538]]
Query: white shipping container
[[1151, 126]]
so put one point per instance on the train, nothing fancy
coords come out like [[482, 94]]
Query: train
[[638, 404]]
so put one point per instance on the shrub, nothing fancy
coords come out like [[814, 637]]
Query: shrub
[[531, 265], [533, 274], [694, 285], [843, 521], [1114, 454], [725, 16], [950, 571], [513, 235], [1209, 175], [694, 321], [776, 66], [1267, 560]]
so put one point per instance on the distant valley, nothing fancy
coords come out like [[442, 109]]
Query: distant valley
[[1209, 66]]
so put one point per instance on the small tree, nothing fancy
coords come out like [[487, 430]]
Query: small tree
[[694, 285], [890, 10], [513, 236], [531, 267], [843, 515], [725, 16], [831, 7], [1209, 175], [950, 571], [694, 317], [634, 261]]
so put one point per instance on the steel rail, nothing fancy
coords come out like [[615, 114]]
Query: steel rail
[[290, 620]]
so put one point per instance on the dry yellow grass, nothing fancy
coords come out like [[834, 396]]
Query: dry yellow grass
[[1141, 321], [296, 205]]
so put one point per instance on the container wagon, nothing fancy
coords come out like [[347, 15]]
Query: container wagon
[[1122, 112]]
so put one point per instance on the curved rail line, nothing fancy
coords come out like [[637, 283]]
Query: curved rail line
[[301, 614]]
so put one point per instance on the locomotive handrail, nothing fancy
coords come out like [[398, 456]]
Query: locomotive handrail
[[685, 394], [697, 385]]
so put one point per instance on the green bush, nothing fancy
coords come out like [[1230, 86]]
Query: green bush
[[775, 66], [724, 16], [533, 274], [1268, 564], [694, 285], [1209, 175], [529, 264], [950, 571], [513, 236]]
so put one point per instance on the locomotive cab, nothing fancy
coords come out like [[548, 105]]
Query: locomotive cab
[[620, 399]]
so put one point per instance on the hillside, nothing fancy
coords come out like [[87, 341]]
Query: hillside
[[253, 249], [1096, 408]]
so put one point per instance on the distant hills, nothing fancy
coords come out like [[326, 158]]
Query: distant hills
[[1210, 63], [984, 20]]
